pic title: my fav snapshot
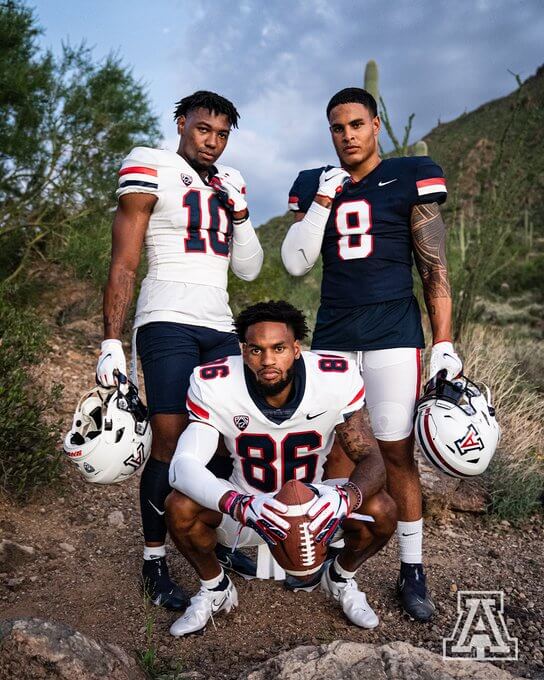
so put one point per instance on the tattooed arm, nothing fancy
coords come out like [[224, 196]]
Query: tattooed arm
[[429, 244], [361, 447], [129, 226]]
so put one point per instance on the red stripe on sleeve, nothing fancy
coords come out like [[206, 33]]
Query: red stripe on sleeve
[[293, 199], [360, 393], [138, 169], [427, 182], [197, 410]]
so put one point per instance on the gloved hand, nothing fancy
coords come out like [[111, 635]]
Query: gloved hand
[[331, 182], [328, 511], [443, 356], [111, 357], [262, 514], [231, 190]]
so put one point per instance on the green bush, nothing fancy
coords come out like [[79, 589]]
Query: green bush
[[28, 455]]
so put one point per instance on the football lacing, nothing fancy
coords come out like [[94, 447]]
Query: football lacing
[[307, 549]]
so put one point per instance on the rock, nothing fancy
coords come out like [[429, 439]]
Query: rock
[[53, 650], [469, 498], [67, 547], [12, 554], [116, 519], [352, 660]]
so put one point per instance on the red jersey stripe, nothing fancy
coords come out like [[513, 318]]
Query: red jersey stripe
[[360, 393], [429, 182], [197, 410], [139, 169], [293, 199]]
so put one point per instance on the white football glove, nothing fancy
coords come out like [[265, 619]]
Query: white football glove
[[328, 511], [230, 189], [331, 182], [443, 356], [111, 357], [262, 514]]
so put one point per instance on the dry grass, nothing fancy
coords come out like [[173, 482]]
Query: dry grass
[[515, 479]]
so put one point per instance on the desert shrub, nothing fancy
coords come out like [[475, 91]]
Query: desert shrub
[[515, 479], [28, 455]]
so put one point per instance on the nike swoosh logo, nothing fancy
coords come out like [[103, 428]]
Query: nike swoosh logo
[[309, 417], [300, 250], [415, 532], [382, 184], [155, 508]]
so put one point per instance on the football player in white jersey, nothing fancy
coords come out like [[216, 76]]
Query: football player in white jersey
[[278, 409], [192, 215]]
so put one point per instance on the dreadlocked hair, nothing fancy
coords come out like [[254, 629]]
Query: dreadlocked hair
[[354, 95], [203, 99], [273, 310]]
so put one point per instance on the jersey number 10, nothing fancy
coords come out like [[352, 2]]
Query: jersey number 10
[[353, 222], [206, 216]]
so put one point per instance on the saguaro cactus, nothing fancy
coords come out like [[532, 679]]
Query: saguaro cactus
[[420, 149], [372, 79]]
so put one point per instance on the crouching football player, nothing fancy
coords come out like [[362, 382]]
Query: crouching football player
[[278, 409]]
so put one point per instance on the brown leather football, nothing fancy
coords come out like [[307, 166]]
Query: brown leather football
[[298, 554]]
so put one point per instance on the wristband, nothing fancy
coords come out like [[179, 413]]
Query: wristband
[[241, 220], [357, 491], [231, 503]]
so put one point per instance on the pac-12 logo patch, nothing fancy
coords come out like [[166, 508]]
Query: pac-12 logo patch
[[470, 441], [241, 422], [186, 179]]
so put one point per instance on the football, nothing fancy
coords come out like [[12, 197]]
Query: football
[[298, 554]]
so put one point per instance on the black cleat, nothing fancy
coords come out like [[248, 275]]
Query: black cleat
[[295, 584], [160, 589], [412, 592], [236, 561]]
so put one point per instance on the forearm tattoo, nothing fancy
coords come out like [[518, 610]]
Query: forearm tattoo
[[356, 437], [429, 242], [118, 303]]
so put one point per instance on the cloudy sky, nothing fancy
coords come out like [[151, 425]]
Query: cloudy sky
[[280, 61]]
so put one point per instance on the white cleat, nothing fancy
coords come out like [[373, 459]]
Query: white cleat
[[203, 606], [352, 600]]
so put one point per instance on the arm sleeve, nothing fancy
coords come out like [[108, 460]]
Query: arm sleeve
[[247, 255], [302, 243], [430, 183], [188, 472], [139, 173]]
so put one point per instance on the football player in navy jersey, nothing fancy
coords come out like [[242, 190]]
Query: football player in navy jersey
[[369, 219]]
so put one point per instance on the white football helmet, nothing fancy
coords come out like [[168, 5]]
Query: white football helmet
[[455, 426], [110, 437]]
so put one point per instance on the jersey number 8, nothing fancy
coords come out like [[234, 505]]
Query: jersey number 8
[[353, 222]]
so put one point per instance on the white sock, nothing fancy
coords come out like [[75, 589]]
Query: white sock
[[155, 552], [410, 535], [213, 582], [341, 571]]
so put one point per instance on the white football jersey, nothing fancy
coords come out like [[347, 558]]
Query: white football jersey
[[187, 241], [267, 453]]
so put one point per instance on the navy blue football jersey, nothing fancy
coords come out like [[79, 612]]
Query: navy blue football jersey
[[367, 245]]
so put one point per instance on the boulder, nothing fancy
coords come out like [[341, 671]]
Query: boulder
[[34, 649], [341, 660]]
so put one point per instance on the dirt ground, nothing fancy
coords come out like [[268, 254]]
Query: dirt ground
[[84, 571]]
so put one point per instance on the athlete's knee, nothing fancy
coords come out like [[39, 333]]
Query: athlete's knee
[[181, 512], [166, 433], [399, 454], [384, 511]]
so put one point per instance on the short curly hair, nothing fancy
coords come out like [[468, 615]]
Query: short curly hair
[[273, 310], [353, 95], [211, 101]]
